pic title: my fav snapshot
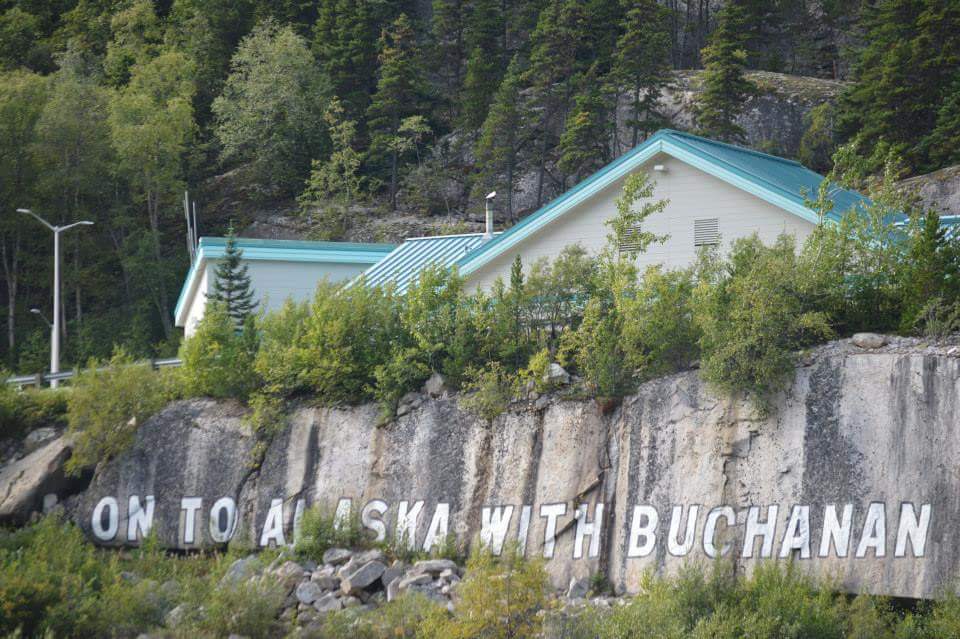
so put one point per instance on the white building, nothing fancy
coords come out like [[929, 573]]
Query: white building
[[717, 193], [278, 269]]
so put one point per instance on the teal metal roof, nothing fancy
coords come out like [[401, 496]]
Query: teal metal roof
[[782, 182], [212, 248], [403, 265]]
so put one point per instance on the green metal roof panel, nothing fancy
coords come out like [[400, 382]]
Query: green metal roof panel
[[403, 266], [305, 245]]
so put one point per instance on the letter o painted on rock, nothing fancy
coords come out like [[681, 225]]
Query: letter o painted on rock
[[223, 520], [108, 504]]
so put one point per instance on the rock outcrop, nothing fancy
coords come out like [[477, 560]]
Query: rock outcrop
[[35, 482], [852, 474]]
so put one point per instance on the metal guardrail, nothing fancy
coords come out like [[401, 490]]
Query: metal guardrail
[[39, 379]]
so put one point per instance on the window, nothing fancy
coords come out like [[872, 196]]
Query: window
[[706, 232]]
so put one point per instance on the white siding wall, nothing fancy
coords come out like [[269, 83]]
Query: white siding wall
[[693, 195], [274, 282]]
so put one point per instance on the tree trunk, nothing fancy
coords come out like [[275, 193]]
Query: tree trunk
[[11, 274], [153, 211]]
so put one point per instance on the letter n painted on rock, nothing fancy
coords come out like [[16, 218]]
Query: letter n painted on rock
[[139, 517], [912, 530]]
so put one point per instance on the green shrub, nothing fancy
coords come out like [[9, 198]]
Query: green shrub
[[248, 609], [596, 348], [105, 407], [399, 619], [488, 391], [404, 372], [218, 359], [344, 335], [23, 411], [754, 319], [659, 333], [320, 530], [499, 597]]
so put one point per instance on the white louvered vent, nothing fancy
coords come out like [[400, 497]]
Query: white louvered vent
[[706, 232], [631, 240]]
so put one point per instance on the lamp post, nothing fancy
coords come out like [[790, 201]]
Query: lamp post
[[55, 326]]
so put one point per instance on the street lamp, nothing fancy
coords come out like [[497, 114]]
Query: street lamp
[[55, 327]]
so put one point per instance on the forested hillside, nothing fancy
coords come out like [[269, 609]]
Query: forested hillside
[[111, 109]]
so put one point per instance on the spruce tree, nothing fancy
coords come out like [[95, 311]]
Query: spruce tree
[[942, 146], [399, 95], [724, 86], [905, 75], [583, 144], [552, 76], [449, 54], [485, 64], [231, 284], [345, 43], [642, 65], [501, 139]]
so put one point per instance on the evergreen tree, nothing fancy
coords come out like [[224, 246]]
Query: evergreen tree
[[583, 145], [552, 76], [484, 67], [501, 140], [449, 53], [724, 86], [943, 144], [399, 95], [642, 65], [345, 42], [231, 284], [905, 74]]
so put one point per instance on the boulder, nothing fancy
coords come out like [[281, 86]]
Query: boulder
[[396, 569], [435, 386], [241, 570], [432, 566], [393, 589], [578, 588], [362, 577], [39, 437], [414, 581], [868, 340], [556, 374], [308, 591], [175, 617], [24, 483], [330, 602], [337, 556], [326, 582], [289, 574]]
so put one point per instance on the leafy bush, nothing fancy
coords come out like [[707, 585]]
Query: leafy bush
[[106, 406], [399, 619], [218, 359], [500, 597], [332, 348], [23, 411], [488, 391], [320, 530], [755, 317]]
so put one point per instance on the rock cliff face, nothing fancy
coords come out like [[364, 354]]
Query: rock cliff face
[[852, 475]]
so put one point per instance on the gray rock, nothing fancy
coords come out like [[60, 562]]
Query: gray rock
[[330, 602], [435, 386], [868, 340], [450, 575], [289, 574], [556, 374], [170, 590], [578, 588], [433, 566], [393, 589], [351, 602], [362, 577], [39, 437], [337, 556], [326, 582], [25, 482], [413, 580], [175, 617], [396, 569], [308, 592], [50, 502], [370, 555], [241, 570]]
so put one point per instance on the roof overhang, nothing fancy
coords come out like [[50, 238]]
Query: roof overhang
[[211, 249]]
